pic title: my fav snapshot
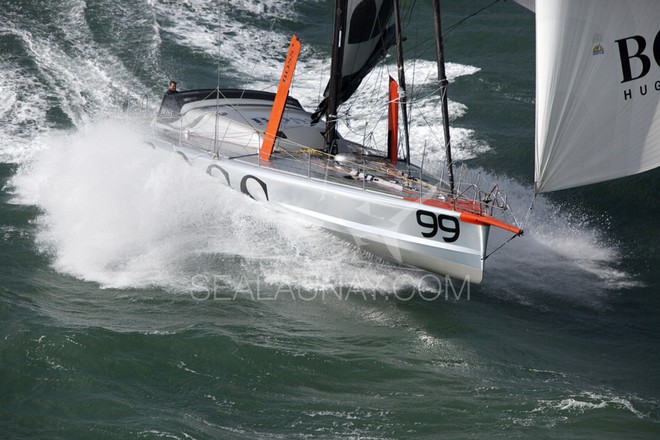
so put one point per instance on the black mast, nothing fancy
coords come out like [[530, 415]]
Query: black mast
[[335, 74], [402, 79], [442, 80]]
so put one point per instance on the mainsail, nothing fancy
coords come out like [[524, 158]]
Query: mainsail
[[365, 43], [597, 90]]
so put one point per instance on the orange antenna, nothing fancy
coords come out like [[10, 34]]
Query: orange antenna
[[393, 123], [280, 100]]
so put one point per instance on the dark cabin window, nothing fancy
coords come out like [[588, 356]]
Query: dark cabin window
[[362, 22]]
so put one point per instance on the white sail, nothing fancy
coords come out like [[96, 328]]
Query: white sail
[[597, 90]]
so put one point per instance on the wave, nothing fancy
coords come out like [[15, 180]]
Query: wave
[[590, 401], [58, 77], [121, 214], [565, 254]]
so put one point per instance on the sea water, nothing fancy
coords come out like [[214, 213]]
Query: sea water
[[139, 299]]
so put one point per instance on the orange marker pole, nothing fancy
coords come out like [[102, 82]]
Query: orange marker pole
[[280, 100], [393, 123]]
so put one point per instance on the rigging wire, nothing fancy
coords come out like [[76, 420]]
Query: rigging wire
[[529, 212], [458, 23], [502, 245], [523, 226], [447, 31], [412, 101]]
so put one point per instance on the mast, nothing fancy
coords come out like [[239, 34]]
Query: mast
[[442, 80], [335, 74], [402, 80]]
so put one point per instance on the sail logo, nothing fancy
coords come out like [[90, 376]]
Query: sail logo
[[642, 59], [598, 50], [637, 61]]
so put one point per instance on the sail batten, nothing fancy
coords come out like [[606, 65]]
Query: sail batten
[[597, 91]]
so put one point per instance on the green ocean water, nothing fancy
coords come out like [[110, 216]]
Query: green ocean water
[[140, 300]]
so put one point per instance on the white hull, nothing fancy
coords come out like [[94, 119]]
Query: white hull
[[391, 223], [381, 224]]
